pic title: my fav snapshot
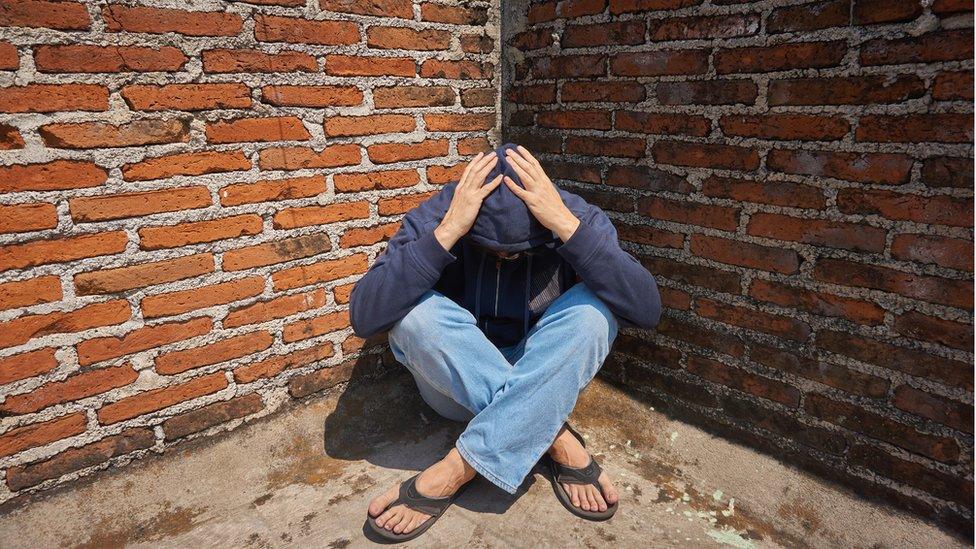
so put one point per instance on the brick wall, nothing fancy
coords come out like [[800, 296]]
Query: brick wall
[[798, 176], [186, 198]]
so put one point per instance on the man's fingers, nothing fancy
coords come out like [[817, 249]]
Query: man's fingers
[[470, 172], [528, 156], [519, 191], [490, 186], [527, 179], [479, 176], [526, 164], [467, 169]]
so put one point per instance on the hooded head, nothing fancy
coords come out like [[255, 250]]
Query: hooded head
[[504, 222]]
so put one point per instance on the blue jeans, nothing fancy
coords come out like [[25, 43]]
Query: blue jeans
[[515, 399]]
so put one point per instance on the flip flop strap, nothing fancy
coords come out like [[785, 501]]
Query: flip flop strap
[[410, 497], [590, 474]]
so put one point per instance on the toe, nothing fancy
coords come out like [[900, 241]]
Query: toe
[[379, 503], [385, 517], [403, 522], [573, 494], [394, 519]]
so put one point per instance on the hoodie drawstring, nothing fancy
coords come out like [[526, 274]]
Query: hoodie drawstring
[[477, 293], [528, 279]]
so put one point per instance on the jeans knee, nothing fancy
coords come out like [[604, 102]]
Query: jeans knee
[[597, 323], [418, 318]]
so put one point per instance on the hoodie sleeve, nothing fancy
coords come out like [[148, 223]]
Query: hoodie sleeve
[[622, 282], [410, 265]]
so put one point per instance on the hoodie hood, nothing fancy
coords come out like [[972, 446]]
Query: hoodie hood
[[504, 222]]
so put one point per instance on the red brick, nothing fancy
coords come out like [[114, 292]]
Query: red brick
[[954, 253], [54, 98], [22, 218], [51, 176], [159, 21], [356, 65], [299, 158], [18, 439], [10, 138], [847, 90], [318, 273], [450, 122], [938, 209], [182, 301], [279, 307], [293, 218], [606, 146], [367, 236], [578, 8], [705, 155], [276, 251], [384, 8], [573, 119], [916, 325], [370, 124], [140, 339], [243, 130], [99, 59], [916, 128], [75, 459], [210, 415], [944, 171], [603, 34], [226, 349], [744, 381], [806, 17], [24, 293], [305, 385], [272, 366], [314, 327], [704, 215], [776, 193], [74, 387], [873, 425], [659, 63], [942, 485], [751, 319], [953, 86], [542, 12], [95, 315], [782, 57], [401, 204], [627, 6], [643, 234], [229, 61], [120, 206], [441, 13], [817, 302], [540, 37], [404, 38], [708, 92], [703, 27], [874, 12], [39, 13], [270, 28], [701, 337], [696, 275], [92, 135], [832, 375], [945, 45], [613, 92], [799, 127], [312, 96], [568, 66], [940, 409], [947, 7], [26, 365], [43, 252], [9, 57], [644, 178], [272, 190], [187, 97], [934, 289], [382, 153], [881, 168], [396, 97], [661, 123], [820, 232], [745, 254], [196, 232], [142, 275], [539, 93], [158, 399], [456, 70], [192, 163]]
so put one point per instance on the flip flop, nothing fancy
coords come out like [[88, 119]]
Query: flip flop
[[590, 474], [411, 498]]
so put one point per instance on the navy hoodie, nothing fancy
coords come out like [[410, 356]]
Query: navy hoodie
[[506, 296]]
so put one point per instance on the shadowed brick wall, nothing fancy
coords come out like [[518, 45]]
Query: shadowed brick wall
[[186, 198], [798, 176]]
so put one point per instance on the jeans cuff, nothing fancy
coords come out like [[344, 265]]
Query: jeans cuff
[[484, 471]]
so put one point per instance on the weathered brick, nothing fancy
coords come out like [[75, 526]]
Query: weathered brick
[[745, 254], [231, 61], [874, 12], [51, 176], [383, 153], [401, 204], [832, 375], [934, 289], [938, 209], [93, 135], [821, 232], [708, 92], [806, 17], [397, 97], [276, 251], [317, 273], [568, 66], [61, 250], [242, 130], [603, 34], [645, 178], [158, 21], [606, 146], [121, 206], [279, 307], [920, 326], [782, 57], [817, 302], [741, 380], [276, 364], [120, 279], [54, 98], [22, 218], [940, 409], [703, 27], [776, 193], [383, 8], [954, 253], [456, 70], [24, 293], [367, 236], [370, 124], [883, 168], [314, 327], [74, 387], [10, 138], [197, 232], [790, 127], [95, 315], [226, 349], [356, 65], [944, 171], [703, 215], [271, 28], [182, 301], [192, 163], [158, 399], [659, 63], [75, 459], [271, 190], [312, 96], [614, 92], [752, 319], [210, 415], [930, 47], [705, 155], [579, 119], [696, 275], [305, 385], [140, 339], [100, 59], [406, 38], [942, 485], [916, 128], [9, 57], [701, 337], [298, 158], [292, 218], [40, 13], [187, 97], [18, 439], [848, 90]]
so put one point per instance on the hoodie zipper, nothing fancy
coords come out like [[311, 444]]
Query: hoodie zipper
[[498, 274]]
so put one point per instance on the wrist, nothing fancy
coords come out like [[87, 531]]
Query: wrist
[[566, 226], [447, 235]]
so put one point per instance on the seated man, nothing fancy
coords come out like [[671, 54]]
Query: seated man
[[503, 301]]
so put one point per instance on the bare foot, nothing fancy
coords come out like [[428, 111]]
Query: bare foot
[[439, 480], [567, 450]]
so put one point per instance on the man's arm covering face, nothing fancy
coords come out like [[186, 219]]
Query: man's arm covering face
[[410, 265], [614, 275]]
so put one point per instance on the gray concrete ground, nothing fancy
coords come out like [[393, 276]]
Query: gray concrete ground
[[304, 477]]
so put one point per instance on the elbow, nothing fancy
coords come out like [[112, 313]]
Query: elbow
[[361, 324], [652, 316]]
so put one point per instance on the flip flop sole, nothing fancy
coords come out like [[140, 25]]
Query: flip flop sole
[[567, 501], [393, 537]]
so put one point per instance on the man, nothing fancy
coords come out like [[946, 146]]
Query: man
[[502, 295]]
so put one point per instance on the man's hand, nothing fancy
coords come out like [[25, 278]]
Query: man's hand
[[469, 193], [540, 194]]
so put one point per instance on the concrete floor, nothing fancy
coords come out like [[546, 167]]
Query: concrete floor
[[274, 483]]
